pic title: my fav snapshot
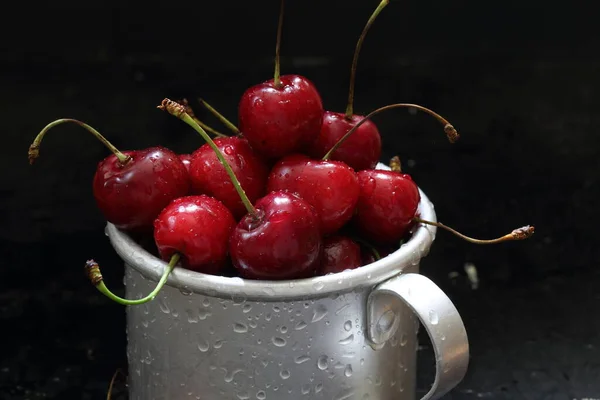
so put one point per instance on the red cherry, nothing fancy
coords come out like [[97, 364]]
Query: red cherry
[[339, 254], [283, 240], [281, 119], [132, 187], [386, 206], [198, 228], [132, 195], [186, 160], [210, 177], [331, 187], [362, 149]]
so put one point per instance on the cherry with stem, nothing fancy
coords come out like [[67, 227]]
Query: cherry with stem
[[283, 115], [364, 149], [522, 233], [449, 129], [120, 178], [231, 126], [95, 276]]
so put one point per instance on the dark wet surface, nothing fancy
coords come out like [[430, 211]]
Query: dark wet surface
[[528, 155]]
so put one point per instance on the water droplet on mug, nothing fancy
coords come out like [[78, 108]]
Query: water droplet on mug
[[319, 313], [162, 303], [203, 314], [300, 325], [318, 286], [433, 317], [203, 346], [347, 340], [347, 325], [186, 291], [348, 371], [238, 327], [261, 395], [243, 396], [246, 308], [323, 362], [305, 389], [283, 329], [301, 359], [285, 374], [403, 339], [318, 387], [279, 342]]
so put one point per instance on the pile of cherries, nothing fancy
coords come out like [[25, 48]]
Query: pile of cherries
[[292, 193]]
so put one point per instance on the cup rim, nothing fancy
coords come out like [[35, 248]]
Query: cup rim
[[409, 254]]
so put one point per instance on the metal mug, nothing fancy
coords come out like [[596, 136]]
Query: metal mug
[[350, 335]]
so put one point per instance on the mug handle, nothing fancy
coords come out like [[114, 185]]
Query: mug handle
[[437, 314]]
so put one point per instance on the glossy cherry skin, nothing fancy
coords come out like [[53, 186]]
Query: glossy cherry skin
[[331, 187], [340, 253], [361, 150], [210, 177], [186, 159], [283, 243], [386, 206], [131, 196], [281, 121], [198, 228]]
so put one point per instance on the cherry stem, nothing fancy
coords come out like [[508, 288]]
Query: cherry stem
[[522, 233], [350, 106], [95, 276], [277, 76], [177, 110], [220, 116], [34, 148], [395, 164], [449, 130], [207, 128], [112, 383], [369, 246]]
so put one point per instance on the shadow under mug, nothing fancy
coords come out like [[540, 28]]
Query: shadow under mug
[[350, 335]]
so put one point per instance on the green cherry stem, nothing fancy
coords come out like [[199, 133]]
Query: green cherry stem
[[95, 276], [451, 133], [522, 233], [34, 148], [361, 39], [277, 75], [220, 117], [369, 246], [207, 128], [178, 110]]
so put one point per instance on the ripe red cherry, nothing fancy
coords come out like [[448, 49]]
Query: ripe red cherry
[[198, 228], [132, 195], [281, 119], [386, 206], [186, 160], [339, 254], [331, 187], [283, 241], [283, 115], [210, 177], [131, 187], [362, 149]]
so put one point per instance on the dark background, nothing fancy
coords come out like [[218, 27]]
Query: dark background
[[518, 79]]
